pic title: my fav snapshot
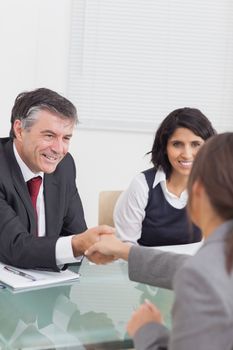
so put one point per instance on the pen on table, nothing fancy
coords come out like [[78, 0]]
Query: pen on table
[[19, 273]]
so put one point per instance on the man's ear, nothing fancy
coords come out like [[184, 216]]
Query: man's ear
[[17, 126]]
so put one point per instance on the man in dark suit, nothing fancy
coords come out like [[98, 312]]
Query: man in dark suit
[[54, 233]]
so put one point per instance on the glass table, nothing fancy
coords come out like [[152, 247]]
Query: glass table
[[91, 313]]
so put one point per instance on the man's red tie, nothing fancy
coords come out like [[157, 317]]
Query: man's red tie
[[33, 188]]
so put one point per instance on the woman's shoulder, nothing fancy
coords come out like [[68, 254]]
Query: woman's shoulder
[[139, 180], [137, 190], [150, 171]]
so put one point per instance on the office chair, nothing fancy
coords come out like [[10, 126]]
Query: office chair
[[107, 201]]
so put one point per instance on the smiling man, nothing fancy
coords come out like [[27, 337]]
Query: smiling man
[[46, 229]]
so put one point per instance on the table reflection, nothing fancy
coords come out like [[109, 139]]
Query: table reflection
[[94, 310]]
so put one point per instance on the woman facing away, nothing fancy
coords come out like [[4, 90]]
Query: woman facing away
[[152, 211], [202, 315]]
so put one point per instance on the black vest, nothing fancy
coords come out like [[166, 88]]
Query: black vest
[[164, 224]]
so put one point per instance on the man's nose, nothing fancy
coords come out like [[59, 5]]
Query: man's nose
[[58, 146]]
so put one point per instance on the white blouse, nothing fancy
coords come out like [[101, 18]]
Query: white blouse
[[129, 211]]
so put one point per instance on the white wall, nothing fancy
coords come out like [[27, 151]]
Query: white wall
[[106, 161], [34, 37]]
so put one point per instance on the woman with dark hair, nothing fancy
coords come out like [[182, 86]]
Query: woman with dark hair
[[202, 315], [152, 211]]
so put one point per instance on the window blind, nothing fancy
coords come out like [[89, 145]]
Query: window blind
[[131, 62]]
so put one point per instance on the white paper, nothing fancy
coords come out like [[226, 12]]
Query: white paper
[[42, 278]]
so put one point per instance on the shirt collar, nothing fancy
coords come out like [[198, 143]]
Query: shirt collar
[[160, 177], [27, 173]]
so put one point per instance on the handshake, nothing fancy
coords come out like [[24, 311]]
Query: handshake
[[100, 245]]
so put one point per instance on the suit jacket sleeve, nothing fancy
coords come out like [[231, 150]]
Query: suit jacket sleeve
[[201, 318], [20, 248], [153, 266]]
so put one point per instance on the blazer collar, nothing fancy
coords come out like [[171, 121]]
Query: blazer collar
[[27, 173], [19, 183], [220, 232], [53, 199], [52, 195]]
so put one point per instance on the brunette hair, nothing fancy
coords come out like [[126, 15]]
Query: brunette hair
[[213, 167], [190, 118]]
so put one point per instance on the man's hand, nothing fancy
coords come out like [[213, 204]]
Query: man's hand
[[110, 246], [146, 313], [100, 259], [82, 241]]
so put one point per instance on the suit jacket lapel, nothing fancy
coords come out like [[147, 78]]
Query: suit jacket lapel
[[52, 204], [20, 185], [52, 195]]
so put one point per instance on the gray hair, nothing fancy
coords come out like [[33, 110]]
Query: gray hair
[[28, 104], [32, 115]]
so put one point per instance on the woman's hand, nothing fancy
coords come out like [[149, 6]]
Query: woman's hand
[[146, 313], [109, 245]]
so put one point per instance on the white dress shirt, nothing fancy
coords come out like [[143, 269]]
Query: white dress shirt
[[129, 211], [64, 251]]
